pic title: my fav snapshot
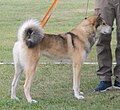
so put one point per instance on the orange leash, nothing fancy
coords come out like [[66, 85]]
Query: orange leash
[[45, 22], [45, 18], [87, 8]]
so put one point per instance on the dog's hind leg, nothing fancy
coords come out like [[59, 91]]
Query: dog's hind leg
[[29, 72], [76, 79], [18, 72]]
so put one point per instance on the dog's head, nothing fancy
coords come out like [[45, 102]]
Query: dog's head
[[96, 24], [101, 26]]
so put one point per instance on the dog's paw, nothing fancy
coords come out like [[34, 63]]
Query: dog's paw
[[81, 93], [15, 98], [79, 96], [32, 101]]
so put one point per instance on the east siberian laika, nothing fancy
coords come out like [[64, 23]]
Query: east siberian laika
[[73, 45]]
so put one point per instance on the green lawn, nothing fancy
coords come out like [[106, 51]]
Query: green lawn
[[52, 88], [52, 85]]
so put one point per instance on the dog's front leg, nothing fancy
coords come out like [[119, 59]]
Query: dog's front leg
[[76, 80]]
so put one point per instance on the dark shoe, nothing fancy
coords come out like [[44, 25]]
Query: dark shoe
[[103, 86], [117, 85]]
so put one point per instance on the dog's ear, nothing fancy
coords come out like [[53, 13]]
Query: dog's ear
[[99, 21], [96, 12], [99, 15]]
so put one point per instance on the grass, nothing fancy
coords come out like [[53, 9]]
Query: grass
[[52, 85], [52, 88]]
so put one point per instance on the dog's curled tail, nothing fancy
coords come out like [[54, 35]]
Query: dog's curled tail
[[30, 32]]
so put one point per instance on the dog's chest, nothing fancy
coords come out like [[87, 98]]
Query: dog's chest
[[89, 45]]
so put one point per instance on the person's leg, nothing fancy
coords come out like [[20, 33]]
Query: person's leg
[[117, 51], [104, 54]]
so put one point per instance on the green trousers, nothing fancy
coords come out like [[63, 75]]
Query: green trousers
[[110, 12]]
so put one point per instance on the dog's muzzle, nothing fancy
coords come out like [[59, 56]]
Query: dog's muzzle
[[107, 30]]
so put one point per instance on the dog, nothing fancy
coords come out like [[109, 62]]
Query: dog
[[74, 46]]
